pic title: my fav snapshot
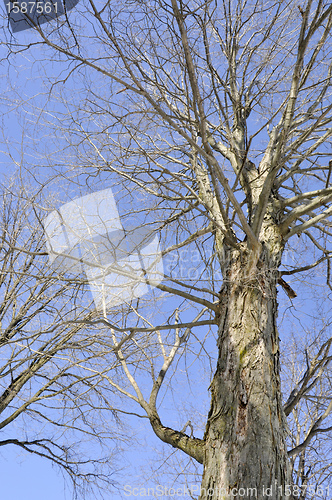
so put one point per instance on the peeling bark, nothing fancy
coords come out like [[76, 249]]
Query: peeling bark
[[245, 433]]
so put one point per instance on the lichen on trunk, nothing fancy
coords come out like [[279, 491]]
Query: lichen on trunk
[[245, 451]]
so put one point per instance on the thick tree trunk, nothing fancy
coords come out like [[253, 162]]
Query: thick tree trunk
[[245, 452]]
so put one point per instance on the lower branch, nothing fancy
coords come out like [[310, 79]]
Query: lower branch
[[193, 447]]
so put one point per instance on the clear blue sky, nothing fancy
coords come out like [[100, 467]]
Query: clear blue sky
[[27, 477], [22, 475]]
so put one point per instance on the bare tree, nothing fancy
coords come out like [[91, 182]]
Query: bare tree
[[46, 394], [213, 119]]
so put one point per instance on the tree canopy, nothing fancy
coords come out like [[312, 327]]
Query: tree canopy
[[211, 123]]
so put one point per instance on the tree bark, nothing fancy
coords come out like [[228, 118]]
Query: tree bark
[[245, 450]]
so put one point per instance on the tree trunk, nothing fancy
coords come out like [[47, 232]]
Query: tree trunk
[[245, 451]]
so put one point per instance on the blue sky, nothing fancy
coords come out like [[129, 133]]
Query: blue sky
[[24, 476], [27, 477]]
